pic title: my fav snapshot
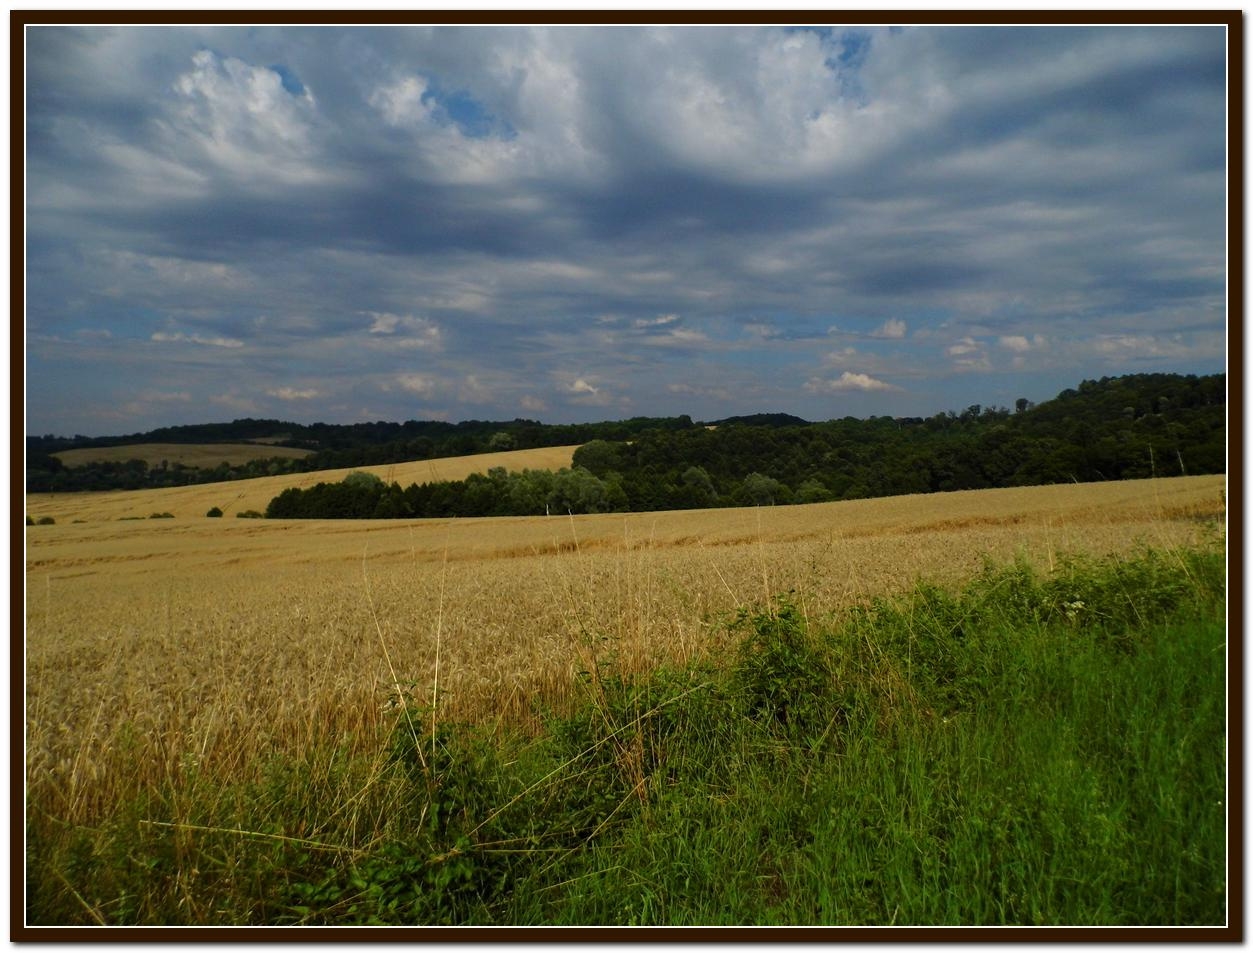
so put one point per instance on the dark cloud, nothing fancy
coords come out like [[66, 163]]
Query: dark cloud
[[479, 221]]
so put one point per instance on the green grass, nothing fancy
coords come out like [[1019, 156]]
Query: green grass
[[1032, 749]]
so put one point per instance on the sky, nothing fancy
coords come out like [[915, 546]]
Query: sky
[[569, 224]]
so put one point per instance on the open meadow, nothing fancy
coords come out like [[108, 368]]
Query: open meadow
[[176, 656]]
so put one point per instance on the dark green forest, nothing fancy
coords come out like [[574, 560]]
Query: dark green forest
[[1112, 429]]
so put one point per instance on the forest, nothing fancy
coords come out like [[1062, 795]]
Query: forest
[[1115, 428]]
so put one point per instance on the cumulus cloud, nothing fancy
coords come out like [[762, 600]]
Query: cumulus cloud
[[848, 381], [580, 386], [893, 328], [400, 102], [969, 355], [240, 118], [419, 384]]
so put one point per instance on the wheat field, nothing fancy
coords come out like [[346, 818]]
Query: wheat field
[[188, 502], [159, 646]]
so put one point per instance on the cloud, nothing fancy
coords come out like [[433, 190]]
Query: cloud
[[331, 204], [580, 386], [419, 384], [661, 321], [290, 393], [401, 102], [969, 355], [848, 381], [1020, 344], [235, 116], [179, 337], [533, 404], [406, 331]]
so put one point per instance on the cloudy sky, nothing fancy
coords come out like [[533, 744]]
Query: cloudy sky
[[569, 223]]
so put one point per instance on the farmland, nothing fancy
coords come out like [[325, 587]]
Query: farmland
[[170, 658], [187, 502], [187, 454]]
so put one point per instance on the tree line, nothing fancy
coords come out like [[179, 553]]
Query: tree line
[[335, 446], [1115, 428]]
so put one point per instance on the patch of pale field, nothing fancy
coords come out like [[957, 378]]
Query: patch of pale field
[[188, 454], [156, 646], [236, 496]]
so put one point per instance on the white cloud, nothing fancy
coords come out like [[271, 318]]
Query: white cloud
[[969, 355], [419, 384], [533, 404], [891, 328], [180, 338], [676, 337], [1020, 344], [580, 386], [661, 321], [406, 330], [290, 393], [400, 103], [241, 119], [843, 357], [965, 346], [384, 323], [848, 381]]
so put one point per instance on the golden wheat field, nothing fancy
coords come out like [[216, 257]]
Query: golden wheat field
[[187, 502], [188, 454], [157, 645]]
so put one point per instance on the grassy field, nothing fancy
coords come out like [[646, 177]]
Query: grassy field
[[188, 454], [191, 502], [189, 676]]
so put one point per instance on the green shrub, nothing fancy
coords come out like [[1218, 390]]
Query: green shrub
[[161, 516], [215, 511], [30, 521], [46, 521], [784, 677], [250, 515]]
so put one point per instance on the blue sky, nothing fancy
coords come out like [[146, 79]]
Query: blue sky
[[588, 223]]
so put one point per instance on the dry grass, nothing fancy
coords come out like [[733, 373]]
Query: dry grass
[[156, 646], [193, 502], [188, 454]]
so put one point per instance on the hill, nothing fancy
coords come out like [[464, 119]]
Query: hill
[[255, 494], [182, 454]]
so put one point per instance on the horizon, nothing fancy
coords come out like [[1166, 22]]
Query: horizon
[[696, 421], [587, 224]]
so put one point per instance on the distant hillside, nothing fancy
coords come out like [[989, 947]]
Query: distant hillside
[[1113, 429], [182, 454], [762, 420], [237, 496], [321, 446]]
